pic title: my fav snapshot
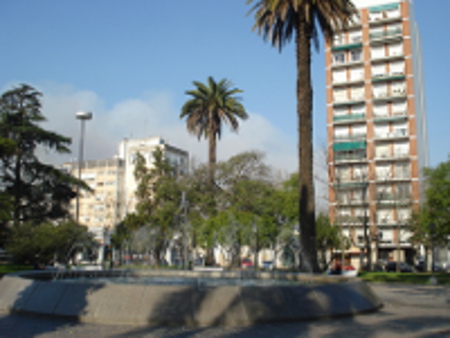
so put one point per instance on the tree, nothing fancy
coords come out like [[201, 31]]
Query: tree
[[211, 105], [328, 236], [38, 191], [158, 202], [278, 21], [435, 209]]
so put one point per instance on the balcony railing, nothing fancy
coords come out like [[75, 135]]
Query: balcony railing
[[390, 157], [348, 118], [358, 157], [388, 77], [397, 93], [394, 116], [347, 46], [342, 138], [387, 34], [400, 133], [349, 101]]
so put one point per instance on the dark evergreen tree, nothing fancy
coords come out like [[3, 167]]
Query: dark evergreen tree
[[38, 192]]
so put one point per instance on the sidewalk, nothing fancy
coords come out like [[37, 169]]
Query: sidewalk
[[409, 311]]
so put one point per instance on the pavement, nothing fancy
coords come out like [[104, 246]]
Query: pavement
[[409, 311]]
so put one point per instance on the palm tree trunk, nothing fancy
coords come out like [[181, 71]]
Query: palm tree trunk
[[211, 153], [307, 227]]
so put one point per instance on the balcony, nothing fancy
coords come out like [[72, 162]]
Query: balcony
[[347, 46], [350, 138], [350, 184], [345, 82], [349, 101], [357, 157], [396, 94], [397, 55], [392, 157], [394, 34], [394, 135], [394, 116], [349, 146], [349, 118], [388, 77], [382, 178]]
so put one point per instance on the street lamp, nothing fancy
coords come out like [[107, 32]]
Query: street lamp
[[83, 117]]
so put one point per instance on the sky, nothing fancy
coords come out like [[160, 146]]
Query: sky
[[130, 63]]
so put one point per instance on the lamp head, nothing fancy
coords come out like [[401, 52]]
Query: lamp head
[[81, 115]]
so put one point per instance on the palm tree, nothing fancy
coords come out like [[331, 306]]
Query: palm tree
[[278, 21], [210, 105]]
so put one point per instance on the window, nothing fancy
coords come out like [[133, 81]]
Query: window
[[341, 133], [343, 174], [379, 90], [339, 76], [399, 108], [401, 149], [395, 49], [356, 55], [359, 130], [398, 88], [377, 52], [383, 171], [358, 109], [378, 70], [380, 110], [357, 93], [338, 39], [355, 37], [382, 150], [402, 170], [400, 129], [340, 111], [340, 94], [339, 58], [356, 74], [404, 191], [397, 68]]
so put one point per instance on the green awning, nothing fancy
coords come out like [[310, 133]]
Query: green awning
[[346, 146], [384, 7], [349, 46]]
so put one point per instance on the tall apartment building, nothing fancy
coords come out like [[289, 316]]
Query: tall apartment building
[[178, 158], [376, 124], [113, 184]]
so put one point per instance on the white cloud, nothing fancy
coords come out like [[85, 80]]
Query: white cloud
[[154, 114]]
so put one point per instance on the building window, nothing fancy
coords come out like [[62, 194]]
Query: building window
[[339, 58], [356, 55]]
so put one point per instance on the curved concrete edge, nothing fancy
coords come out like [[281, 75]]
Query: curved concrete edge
[[185, 305]]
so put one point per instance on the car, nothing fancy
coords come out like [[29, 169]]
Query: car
[[267, 265], [247, 263], [392, 267]]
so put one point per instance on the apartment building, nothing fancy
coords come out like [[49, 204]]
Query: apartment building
[[113, 184], [376, 125], [101, 209]]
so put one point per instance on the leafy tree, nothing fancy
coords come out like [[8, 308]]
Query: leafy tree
[[278, 21], [158, 202], [38, 191], [211, 105], [328, 236], [435, 209], [46, 243]]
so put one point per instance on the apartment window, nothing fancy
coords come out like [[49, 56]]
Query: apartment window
[[341, 133], [403, 190], [382, 150], [400, 129], [355, 36], [343, 174], [377, 52], [356, 55], [356, 74], [403, 214], [357, 93], [339, 76], [397, 68], [385, 216], [359, 130], [401, 148], [380, 110], [399, 108], [358, 109], [340, 94], [379, 70], [375, 16], [402, 170], [379, 90], [383, 171], [340, 111], [339, 57], [398, 88], [338, 39], [395, 49]]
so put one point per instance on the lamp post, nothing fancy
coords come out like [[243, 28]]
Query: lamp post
[[83, 117]]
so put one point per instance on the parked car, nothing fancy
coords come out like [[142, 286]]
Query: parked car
[[247, 263], [392, 267], [267, 265]]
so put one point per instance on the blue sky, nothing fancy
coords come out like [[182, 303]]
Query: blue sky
[[130, 62]]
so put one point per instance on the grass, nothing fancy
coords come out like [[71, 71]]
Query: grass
[[407, 278], [10, 268]]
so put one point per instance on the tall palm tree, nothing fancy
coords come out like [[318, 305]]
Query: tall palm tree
[[278, 21], [212, 104]]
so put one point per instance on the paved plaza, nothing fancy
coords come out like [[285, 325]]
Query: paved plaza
[[409, 311]]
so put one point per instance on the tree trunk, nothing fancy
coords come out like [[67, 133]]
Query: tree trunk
[[211, 152], [308, 253]]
